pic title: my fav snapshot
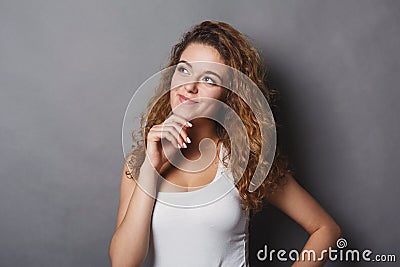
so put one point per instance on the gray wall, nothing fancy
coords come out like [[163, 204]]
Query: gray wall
[[69, 68]]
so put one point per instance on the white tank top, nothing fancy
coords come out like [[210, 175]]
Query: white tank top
[[202, 228]]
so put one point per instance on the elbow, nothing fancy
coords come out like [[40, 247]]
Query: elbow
[[119, 259], [115, 263], [335, 231], [115, 259], [339, 232], [331, 231], [111, 253], [121, 262]]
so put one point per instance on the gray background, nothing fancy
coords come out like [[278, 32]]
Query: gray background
[[69, 68]]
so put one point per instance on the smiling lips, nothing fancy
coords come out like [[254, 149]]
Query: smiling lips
[[186, 100]]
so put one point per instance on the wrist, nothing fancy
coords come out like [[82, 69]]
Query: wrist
[[149, 166]]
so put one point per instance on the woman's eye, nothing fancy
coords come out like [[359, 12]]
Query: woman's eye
[[209, 80], [183, 70]]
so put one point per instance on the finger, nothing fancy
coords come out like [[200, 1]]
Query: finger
[[182, 121], [168, 136], [170, 133], [154, 134], [174, 130], [181, 131]]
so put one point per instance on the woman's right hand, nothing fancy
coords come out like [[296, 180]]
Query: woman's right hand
[[172, 130]]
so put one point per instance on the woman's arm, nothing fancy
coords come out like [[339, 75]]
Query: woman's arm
[[298, 204], [130, 242]]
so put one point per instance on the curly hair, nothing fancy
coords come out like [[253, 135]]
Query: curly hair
[[236, 51]]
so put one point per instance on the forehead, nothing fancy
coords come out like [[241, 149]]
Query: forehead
[[201, 52]]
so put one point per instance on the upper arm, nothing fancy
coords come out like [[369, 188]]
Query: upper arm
[[126, 190], [298, 204]]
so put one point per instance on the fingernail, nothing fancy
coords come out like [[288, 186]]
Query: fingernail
[[188, 139], [188, 123], [184, 145]]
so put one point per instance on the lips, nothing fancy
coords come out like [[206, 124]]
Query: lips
[[186, 100]]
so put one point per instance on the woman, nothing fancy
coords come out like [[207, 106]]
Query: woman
[[153, 233]]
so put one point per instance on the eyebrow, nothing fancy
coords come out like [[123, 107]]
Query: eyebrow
[[184, 61], [207, 72]]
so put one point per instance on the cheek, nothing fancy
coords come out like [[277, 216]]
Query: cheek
[[215, 93], [177, 80]]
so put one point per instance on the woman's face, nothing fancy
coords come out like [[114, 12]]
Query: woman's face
[[196, 80]]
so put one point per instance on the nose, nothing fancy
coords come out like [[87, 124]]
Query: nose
[[191, 87]]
